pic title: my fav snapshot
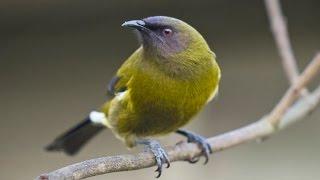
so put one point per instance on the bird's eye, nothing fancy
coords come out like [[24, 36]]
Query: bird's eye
[[167, 32]]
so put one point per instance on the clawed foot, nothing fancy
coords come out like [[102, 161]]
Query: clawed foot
[[159, 153], [201, 141]]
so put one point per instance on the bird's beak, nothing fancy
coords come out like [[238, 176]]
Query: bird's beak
[[136, 24]]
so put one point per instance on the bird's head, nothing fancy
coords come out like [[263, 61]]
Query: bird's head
[[167, 37]]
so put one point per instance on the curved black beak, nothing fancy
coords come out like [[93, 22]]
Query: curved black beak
[[136, 24]]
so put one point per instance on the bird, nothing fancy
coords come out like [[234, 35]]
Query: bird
[[160, 88]]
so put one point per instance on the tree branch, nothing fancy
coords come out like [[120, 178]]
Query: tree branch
[[281, 36], [293, 93], [282, 114], [280, 33]]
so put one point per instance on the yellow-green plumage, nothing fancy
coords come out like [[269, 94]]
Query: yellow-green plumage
[[157, 90], [162, 93]]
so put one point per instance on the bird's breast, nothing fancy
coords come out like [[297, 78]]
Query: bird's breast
[[163, 103]]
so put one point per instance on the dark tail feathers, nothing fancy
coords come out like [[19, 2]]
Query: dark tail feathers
[[72, 141]]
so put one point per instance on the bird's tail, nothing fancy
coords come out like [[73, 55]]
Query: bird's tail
[[73, 140]]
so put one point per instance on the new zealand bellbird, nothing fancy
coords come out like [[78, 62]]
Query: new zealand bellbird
[[157, 90]]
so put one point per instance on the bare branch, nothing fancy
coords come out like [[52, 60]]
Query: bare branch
[[291, 95], [281, 36], [282, 114], [301, 109]]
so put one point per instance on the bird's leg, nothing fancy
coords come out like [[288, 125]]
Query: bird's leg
[[159, 153], [201, 141]]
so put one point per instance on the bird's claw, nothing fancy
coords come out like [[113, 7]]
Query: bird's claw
[[202, 143], [205, 147], [160, 155], [193, 160]]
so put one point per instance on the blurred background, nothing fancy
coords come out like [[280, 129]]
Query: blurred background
[[56, 58]]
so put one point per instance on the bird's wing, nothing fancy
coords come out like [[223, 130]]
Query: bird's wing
[[115, 86], [119, 83]]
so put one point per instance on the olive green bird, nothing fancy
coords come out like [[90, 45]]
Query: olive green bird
[[158, 89]]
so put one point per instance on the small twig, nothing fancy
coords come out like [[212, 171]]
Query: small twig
[[291, 95], [282, 114], [301, 109], [281, 36]]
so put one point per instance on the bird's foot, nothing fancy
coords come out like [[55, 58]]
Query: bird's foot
[[159, 153], [202, 143]]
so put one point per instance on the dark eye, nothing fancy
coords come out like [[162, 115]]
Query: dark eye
[[167, 32]]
